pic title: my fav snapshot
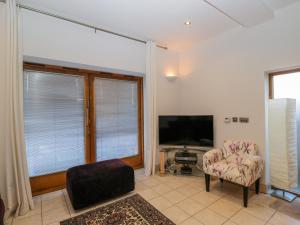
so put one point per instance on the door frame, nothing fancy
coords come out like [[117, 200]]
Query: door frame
[[273, 74], [56, 181]]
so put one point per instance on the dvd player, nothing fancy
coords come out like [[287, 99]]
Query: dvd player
[[186, 158]]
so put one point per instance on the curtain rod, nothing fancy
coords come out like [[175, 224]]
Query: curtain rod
[[86, 25]]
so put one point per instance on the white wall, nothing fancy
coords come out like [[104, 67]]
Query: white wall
[[225, 76], [54, 39], [168, 92]]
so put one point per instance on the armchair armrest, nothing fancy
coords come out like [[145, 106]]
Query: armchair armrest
[[251, 167], [250, 161], [212, 157]]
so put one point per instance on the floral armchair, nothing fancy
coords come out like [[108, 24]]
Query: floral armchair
[[237, 162]]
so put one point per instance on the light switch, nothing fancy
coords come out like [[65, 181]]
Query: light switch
[[227, 120]]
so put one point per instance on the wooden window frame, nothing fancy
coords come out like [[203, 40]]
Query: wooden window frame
[[273, 74], [56, 181]]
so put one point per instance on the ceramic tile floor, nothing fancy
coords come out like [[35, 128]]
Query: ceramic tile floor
[[183, 200]]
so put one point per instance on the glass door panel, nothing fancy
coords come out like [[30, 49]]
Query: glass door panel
[[116, 114], [54, 121]]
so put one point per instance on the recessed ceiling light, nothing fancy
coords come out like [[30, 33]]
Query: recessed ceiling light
[[188, 22]]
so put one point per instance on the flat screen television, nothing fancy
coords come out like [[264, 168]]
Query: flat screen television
[[186, 130]]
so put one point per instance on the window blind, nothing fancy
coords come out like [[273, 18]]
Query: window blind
[[116, 103], [54, 121]]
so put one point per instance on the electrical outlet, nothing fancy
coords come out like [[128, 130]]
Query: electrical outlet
[[244, 120]]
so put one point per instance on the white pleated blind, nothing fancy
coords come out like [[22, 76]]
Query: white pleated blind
[[54, 121], [116, 103]]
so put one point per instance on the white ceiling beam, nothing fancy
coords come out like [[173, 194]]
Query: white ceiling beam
[[247, 13]]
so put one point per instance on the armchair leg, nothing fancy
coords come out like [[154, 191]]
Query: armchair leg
[[245, 190], [207, 181], [257, 186]]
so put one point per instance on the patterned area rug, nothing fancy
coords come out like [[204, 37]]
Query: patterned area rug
[[132, 210]]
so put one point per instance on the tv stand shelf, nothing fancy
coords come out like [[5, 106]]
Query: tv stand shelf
[[163, 154]]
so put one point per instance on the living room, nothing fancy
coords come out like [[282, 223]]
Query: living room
[[87, 83]]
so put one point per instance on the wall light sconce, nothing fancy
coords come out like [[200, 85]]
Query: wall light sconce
[[171, 76]]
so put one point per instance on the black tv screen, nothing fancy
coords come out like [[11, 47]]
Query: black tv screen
[[186, 130]]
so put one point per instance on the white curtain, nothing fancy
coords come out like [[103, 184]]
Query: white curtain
[[150, 109], [14, 180]]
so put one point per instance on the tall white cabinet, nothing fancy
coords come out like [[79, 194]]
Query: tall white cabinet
[[283, 143]]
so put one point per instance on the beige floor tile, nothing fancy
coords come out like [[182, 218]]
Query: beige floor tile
[[160, 203], [139, 186], [141, 177], [55, 215], [282, 219], [235, 199], [243, 218], [191, 221], [65, 192], [230, 223], [162, 179], [188, 191], [162, 189], [148, 194], [174, 196], [165, 178], [176, 183], [225, 208], [197, 180], [52, 195], [209, 217], [205, 198], [217, 191], [150, 182], [187, 179], [53, 203], [190, 206], [262, 199], [175, 214], [261, 212], [29, 220]]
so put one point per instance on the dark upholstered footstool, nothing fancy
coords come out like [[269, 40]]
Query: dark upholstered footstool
[[93, 183]]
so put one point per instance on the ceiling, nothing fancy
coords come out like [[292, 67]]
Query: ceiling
[[163, 20]]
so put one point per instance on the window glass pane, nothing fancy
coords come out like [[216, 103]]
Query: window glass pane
[[116, 103], [287, 86], [54, 121]]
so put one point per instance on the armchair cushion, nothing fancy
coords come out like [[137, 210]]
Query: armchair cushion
[[238, 162], [239, 147]]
